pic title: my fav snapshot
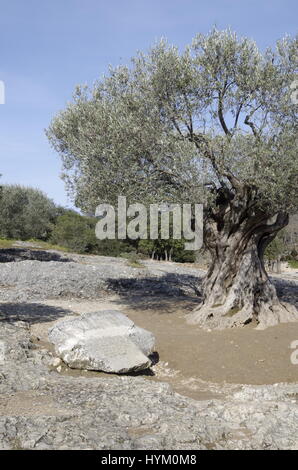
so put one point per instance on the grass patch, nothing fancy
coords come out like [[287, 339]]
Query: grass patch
[[293, 264], [135, 264], [133, 260], [4, 243], [36, 245]]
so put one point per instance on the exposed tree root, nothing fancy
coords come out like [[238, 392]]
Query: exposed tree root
[[221, 317]]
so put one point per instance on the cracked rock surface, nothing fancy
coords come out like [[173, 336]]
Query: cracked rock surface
[[41, 409]]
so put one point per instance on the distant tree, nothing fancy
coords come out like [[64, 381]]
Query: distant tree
[[275, 251], [168, 250], [291, 233], [25, 213], [147, 247], [75, 232], [214, 124]]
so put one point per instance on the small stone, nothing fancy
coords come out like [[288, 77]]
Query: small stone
[[55, 362]]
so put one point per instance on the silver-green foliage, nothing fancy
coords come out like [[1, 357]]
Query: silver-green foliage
[[173, 126]]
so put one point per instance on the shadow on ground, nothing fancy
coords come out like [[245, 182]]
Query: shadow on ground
[[164, 292], [154, 357], [287, 290], [160, 304], [21, 254], [161, 294], [169, 284], [30, 312]]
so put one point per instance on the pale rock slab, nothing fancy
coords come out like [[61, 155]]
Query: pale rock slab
[[107, 341]]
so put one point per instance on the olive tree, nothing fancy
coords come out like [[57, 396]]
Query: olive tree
[[214, 124]]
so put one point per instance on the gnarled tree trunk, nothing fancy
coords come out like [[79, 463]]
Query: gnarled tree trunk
[[236, 289]]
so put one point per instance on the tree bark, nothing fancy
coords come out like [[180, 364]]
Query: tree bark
[[236, 289], [278, 265]]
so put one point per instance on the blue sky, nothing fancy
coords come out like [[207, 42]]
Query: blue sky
[[49, 46]]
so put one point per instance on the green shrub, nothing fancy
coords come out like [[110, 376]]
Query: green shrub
[[75, 232], [25, 213]]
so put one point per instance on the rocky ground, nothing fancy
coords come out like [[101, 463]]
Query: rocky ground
[[37, 275], [44, 405]]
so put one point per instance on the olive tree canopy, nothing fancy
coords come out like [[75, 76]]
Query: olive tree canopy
[[215, 124]]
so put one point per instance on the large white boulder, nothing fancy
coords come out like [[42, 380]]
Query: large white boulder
[[106, 340]]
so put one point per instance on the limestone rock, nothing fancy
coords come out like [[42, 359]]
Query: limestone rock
[[107, 341]]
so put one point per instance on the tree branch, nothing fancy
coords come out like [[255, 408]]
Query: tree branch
[[251, 124], [221, 116]]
